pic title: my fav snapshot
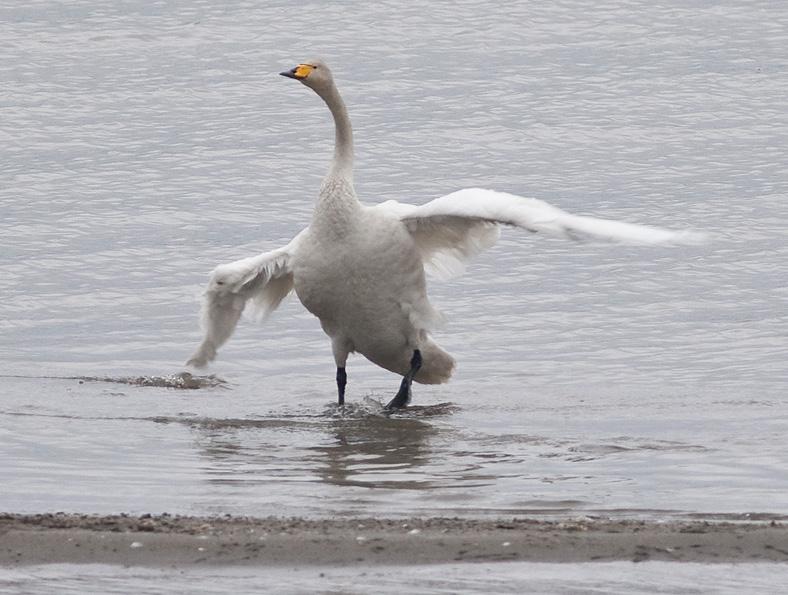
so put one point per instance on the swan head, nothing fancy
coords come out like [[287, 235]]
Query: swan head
[[313, 73]]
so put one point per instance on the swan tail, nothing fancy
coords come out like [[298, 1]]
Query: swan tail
[[437, 365]]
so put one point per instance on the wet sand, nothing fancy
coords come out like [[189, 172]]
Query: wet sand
[[162, 541]]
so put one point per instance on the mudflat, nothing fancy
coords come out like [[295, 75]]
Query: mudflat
[[171, 540]]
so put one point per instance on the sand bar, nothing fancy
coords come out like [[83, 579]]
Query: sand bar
[[171, 540]]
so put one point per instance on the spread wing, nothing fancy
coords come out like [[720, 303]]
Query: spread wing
[[265, 279], [453, 228]]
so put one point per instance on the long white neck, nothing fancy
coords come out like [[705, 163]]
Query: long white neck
[[342, 165], [337, 202]]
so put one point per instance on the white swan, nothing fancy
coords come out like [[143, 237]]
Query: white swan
[[361, 269]]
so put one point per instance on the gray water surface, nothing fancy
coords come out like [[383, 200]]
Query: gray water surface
[[144, 143], [622, 578]]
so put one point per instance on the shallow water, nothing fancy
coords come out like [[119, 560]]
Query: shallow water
[[143, 143], [502, 577]]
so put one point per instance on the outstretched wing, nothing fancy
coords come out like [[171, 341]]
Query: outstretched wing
[[451, 229], [265, 279]]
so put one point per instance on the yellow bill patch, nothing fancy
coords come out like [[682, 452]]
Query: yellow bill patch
[[303, 70]]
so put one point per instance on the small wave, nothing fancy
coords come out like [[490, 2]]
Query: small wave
[[182, 380], [371, 407], [635, 445], [211, 423]]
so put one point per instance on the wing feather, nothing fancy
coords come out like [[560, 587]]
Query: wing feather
[[452, 229], [265, 279]]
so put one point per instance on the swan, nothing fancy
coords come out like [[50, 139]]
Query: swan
[[361, 269]]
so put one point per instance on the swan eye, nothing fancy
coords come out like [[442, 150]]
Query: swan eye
[[303, 70]]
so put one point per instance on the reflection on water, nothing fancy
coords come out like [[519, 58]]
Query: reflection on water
[[376, 452], [355, 445]]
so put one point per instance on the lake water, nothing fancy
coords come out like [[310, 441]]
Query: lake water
[[145, 142]]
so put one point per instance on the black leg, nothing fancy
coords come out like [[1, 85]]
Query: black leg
[[341, 383], [402, 397]]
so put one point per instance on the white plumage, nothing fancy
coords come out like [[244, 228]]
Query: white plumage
[[361, 269]]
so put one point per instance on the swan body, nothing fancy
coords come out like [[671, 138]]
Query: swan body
[[361, 269]]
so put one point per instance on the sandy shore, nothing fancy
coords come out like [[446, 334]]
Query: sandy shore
[[178, 541]]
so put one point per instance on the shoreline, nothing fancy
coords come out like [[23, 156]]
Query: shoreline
[[175, 540]]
